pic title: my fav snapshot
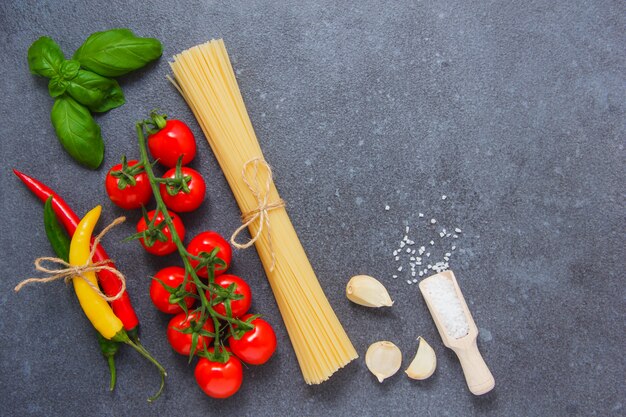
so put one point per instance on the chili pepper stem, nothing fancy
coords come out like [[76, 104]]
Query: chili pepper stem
[[143, 352], [111, 363]]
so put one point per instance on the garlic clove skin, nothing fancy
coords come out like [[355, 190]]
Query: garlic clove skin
[[383, 359], [367, 291], [424, 363]]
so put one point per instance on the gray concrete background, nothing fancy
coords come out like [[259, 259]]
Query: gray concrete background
[[514, 110]]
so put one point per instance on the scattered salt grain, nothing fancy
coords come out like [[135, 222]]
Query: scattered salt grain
[[444, 300], [397, 258], [400, 268], [394, 276], [446, 258], [455, 236], [408, 281], [406, 230], [412, 273], [457, 230], [421, 273], [448, 254], [387, 208], [428, 254], [420, 214], [448, 234], [402, 244], [443, 197], [414, 280], [453, 247], [433, 221], [441, 234], [413, 252], [395, 253], [408, 250]]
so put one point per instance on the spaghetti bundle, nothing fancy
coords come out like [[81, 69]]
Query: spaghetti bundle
[[205, 78]]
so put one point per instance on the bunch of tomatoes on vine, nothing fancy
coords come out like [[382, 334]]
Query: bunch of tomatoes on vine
[[210, 308]]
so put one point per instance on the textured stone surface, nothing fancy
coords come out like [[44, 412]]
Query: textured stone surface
[[513, 110]]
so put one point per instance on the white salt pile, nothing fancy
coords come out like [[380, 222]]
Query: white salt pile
[[448, 306]]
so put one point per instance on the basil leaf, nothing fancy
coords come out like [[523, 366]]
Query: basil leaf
[[45, 57], [96, 92], [116, 52], [69, 69], [57, 86], [77, 131]]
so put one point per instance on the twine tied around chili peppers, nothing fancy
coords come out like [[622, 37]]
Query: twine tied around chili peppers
[[72, 271], [261, 212]]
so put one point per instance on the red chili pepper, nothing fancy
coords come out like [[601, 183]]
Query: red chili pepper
[[110, 283]]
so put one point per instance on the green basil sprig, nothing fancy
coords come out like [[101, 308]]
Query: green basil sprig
[[117, 52], [82, 85], [77, 131]]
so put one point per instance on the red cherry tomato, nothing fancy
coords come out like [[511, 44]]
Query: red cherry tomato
[[256, 346], [238, 307], [219, 380], [181, 342], [121, 191], [172, 276], [181, 201], [206, 242], [158, 247], [169, 143]]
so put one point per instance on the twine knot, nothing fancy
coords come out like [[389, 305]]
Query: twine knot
[[69, 272], [261, 212]]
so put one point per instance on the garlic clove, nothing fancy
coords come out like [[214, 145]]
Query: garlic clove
[[383, 359], [368, 291], [424, 363]]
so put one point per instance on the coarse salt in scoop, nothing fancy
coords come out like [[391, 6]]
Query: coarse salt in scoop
[[457, 328]]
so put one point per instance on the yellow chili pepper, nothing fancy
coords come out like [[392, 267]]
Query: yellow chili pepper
[[98, 311]]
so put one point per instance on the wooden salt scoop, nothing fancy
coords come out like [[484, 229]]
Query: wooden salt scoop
[[477, 375]]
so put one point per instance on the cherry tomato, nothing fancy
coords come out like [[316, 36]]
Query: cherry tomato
[[256, 346], [169, 143], [238, 307], [219, 380], [172, 276], [158, 247], [181, 342], [120, 189], [206, 242], [181, 201]]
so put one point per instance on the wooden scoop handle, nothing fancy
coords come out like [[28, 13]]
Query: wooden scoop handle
[[477, 374]]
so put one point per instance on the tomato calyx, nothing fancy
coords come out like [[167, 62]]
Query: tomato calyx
[[153, 233], [217, 354], [209, 260], [225, 295], [179, 183], [195, 329], [238, 331], [179, 294], [155, 123], [126, 175]]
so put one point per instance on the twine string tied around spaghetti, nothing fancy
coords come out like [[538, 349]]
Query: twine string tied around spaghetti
[[261, 212], [67, 272]]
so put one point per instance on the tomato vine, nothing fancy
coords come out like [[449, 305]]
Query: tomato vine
[[209, 294]]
